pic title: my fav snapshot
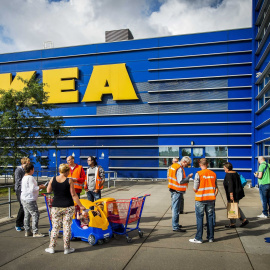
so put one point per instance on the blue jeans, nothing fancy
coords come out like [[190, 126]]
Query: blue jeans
[[176, 204], [265, 198], [92, 196], [209, 208]]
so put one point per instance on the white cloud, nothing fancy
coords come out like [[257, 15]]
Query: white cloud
[[26, 24]]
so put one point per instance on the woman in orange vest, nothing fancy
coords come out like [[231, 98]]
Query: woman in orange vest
[[177, 185], [205, 188]]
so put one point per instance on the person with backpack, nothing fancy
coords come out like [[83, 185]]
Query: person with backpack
[[264, 186]]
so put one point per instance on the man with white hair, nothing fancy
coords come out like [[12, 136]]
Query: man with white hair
[[264, 186], [178, 183]]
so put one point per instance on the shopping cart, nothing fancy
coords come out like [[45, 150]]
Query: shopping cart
[[98, 230], [48, 201], [120, 213]]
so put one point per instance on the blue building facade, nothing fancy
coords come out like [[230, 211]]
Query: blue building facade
[[261, 79], [194, 98]]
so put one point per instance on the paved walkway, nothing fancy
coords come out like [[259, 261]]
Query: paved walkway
[[160, 248]]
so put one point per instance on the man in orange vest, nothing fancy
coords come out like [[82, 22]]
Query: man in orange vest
[[177, 185], [95, 178], [77, 174], [205, 188]]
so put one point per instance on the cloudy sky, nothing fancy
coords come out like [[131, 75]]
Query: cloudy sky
[[26, 24]]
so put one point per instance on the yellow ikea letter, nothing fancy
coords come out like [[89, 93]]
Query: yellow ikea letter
[[60, 85], [6, 82], [109, 79]]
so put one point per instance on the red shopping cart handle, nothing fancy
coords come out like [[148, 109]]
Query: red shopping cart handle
[[135, 198]]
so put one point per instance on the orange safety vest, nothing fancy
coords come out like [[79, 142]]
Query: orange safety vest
[[173, 184], [77, 174], [99, 181], [207, 187]]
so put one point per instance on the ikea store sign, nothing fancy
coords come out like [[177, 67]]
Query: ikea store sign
[[60, 83]]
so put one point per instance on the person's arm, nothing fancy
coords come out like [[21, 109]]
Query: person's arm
[[49, 187], [196, 182], [82, 177], [74, 195], [261, 169], [179, 177], [32, 184], [101, 174], [216, 190], [230, 186]]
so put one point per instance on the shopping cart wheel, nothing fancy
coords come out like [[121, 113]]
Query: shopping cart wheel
[[91, 239], [106, 240], [129, 240], [140, 234], [100, 242]]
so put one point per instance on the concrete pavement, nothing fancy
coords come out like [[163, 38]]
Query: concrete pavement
[[160, 248]]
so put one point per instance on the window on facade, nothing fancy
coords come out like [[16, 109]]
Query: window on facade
[[196, 162], [169, 151], [216, 162], [186, 152], [216, 151], [197, 152], [165, 162]]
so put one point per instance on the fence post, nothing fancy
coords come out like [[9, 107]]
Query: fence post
[[9, 200]]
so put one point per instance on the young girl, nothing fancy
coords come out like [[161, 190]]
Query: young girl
[[29, 196]]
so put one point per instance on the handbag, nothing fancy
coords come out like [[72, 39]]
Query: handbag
[[243, 180], [233, 210]]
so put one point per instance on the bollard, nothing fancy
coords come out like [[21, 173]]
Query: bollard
[[9, 200]]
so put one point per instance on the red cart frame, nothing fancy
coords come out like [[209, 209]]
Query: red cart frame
[[123, 212]]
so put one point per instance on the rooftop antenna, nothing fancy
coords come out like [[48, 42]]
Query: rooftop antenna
[[48, 45]]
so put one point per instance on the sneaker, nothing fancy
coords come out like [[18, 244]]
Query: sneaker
[[19, 229], [194, 240], [28, 233], [69, 250], [262, 215], [180, 230], [38, 235], [49, 250], [211, 240]]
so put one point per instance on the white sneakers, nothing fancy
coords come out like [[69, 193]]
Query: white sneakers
[[195, 241], [262, 215], [66, 251], [69, 250], [50, 250], [38, 235]]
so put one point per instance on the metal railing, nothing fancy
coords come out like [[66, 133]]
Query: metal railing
[[112, 176]]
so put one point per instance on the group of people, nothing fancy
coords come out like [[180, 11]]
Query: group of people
[[67, 187], [206, 190]]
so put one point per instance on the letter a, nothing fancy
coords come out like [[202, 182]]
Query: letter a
[[109, 79]]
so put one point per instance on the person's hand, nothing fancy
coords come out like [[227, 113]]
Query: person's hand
[[82, 207], [86, 189], [74, 179], [231, 197], [95, 191], [42, 186], [190, 175]]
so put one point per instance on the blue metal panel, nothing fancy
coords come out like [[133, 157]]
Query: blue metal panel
[[239, 105], [133, 162], [241, 163], [239, 151], [134, 152], [239, 81], [239, 93]]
